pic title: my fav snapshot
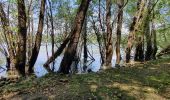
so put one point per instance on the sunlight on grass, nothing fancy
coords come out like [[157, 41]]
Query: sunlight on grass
[[130, 83]]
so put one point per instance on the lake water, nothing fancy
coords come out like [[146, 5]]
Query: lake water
[[42, 58]]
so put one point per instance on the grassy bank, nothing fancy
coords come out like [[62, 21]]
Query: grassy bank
[[147, 81]]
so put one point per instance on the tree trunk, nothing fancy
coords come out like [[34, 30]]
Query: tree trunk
[[101, 37], [149, 49], [37, 44], [99, 41], [22, 33], [109, 45], [76, 30], [57, 53], [8, 39], [118, 32], [52, 32], [139, 56], [155, 48], [85, 44], [29, 34], [133, 28]]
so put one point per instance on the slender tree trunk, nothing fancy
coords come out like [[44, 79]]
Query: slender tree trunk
[[85, 41], [118, 32], [149, 48], [22, 34], [147, 32], [47, 34], [100, 43], [139, 56], [37, 44], [57, 53], [32, 31], [101, 38], [155, 48], [85, 44], [76, 30], [29, 42], [52, 32], [109, 40]]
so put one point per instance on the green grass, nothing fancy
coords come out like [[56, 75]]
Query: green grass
[[148, 81]]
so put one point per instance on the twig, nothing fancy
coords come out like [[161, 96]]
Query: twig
[[3, 69]]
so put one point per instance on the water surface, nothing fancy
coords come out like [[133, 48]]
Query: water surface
[[42, 58]]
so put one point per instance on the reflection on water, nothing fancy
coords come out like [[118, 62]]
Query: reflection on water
[[2, 66], [40, 70]]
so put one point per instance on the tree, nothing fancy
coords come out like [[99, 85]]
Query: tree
[[154, 36], [150, 32], [147, 32], [37, 43], [8, 38], [109, 40], [17, 51], [84, 31], [76, 30], [22, 34], [120, 4], [133, 28], [52, 31], [139, 51]]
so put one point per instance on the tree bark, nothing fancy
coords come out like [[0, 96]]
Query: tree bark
[[99, 41], [154, 36], [139, 56], [7, 32], [29, 34], [76, 30], [149, 50], [22, 33], [109, 40], [118, 32], [8, 39], [101, 37], [57, 53], [85, 44], [133, 28], [37, 44], [52, 32]]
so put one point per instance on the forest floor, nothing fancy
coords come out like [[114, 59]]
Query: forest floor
[[149, 81]]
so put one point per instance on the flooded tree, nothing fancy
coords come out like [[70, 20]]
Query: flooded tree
[[17, 50], [84, 30], [8, 39], [70, 52], [37, 43], [52, 31]]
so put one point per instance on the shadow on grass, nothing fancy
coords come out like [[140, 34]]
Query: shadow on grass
[[148, 81]]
